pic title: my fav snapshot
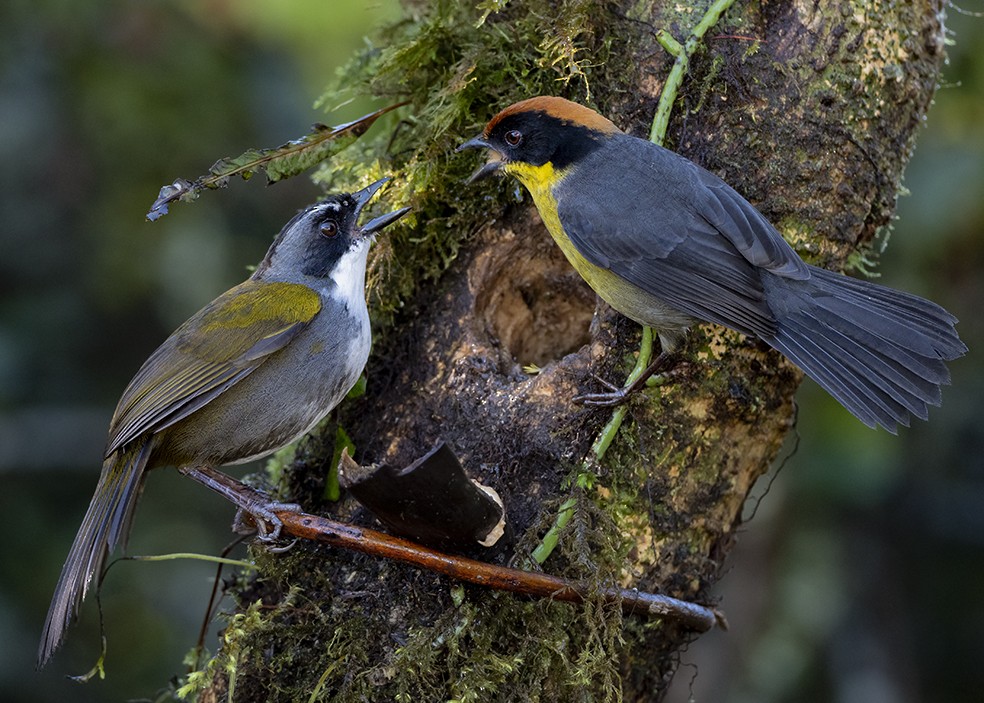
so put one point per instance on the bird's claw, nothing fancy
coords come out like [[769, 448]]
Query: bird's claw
[[263, 517], [610, 386], [285, 548], [614, 396], [603, 400]]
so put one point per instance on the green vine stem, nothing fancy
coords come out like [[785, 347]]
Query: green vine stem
[[682, 53], [585, 476]]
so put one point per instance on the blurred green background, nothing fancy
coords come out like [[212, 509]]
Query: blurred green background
[[860, 579], [102, 103]]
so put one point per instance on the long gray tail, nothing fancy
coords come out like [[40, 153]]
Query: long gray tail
[[106, 523], [880, 352]]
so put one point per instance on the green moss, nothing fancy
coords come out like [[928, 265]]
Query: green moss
[[235, 643], [708, 83], [277, 650], [863, 261], [471, 655], [457, 73], [480, 645]]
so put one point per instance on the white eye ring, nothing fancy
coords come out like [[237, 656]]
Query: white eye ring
[[329, 228], [513, 137]]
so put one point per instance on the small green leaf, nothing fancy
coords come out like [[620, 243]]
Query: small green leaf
[[490, 7], [358, 390], [342, 441], [457, 595], [98, 669]]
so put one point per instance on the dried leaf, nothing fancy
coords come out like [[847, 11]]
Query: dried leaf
[[284, 161]]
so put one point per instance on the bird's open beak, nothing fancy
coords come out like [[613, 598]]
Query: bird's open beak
[[476, 143], [377, 223], [362, 198], [487, 169]]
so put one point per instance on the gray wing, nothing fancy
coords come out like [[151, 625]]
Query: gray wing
[[677, 231]]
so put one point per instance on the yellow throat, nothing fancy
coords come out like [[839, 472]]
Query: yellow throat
[[539, 181], [631, 301]]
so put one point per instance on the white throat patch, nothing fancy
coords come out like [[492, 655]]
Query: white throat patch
[[349, 275]]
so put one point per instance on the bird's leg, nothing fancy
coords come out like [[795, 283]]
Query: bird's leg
[[665, 360], [249, 500]]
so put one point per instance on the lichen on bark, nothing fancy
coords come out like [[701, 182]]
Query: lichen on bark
[[809, 112]]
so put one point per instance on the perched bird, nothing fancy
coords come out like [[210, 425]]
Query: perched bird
[[250, 372], [667, 244]]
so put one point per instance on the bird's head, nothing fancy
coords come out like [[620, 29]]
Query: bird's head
[[325, 240], [539, 131]]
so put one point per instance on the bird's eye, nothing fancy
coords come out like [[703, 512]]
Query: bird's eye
[[329, 228], [513, 137]]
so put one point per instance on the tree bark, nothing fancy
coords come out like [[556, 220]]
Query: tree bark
[[808, 109]]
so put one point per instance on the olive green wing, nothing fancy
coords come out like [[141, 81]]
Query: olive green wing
[[219, 346]]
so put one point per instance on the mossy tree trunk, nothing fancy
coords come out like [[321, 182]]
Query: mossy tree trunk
[[809, 109]]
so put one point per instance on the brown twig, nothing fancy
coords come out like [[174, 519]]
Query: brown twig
[[529, 583], [288, 519]]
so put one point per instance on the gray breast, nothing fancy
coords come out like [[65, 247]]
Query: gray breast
[[286, 396]]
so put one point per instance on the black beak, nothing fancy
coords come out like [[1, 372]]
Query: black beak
[[377, 223], [476, 143], [362, 198], [486, 169]]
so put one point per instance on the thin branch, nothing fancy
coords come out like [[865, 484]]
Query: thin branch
[[289, 519], [529, 583]]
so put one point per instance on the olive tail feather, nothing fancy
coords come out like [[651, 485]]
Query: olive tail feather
[[106, 524], [880, 352]]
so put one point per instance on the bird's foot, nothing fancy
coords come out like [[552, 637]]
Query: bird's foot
[[261, 518], [256, 511], [603, 400], [286, 548], [614, 396]]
